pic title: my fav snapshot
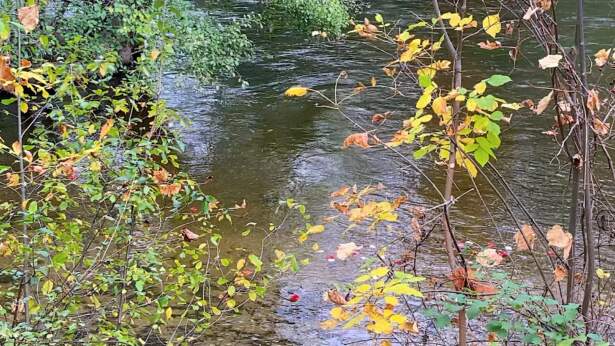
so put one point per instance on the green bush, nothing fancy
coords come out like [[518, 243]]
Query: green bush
[[330, 16]]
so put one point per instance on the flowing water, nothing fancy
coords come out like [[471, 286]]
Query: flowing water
[[263, 147]]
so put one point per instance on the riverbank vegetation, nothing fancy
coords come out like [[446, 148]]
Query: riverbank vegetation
[[105, 239]]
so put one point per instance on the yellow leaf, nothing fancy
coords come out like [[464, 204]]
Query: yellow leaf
[[315, 247], [439, 106], [480, 88], [47, 287], [241, 263], [339, 314], [403, 289], [154, 54], [168, 313], [316, 229], [379, 272], [492, 25], [363, 288], [296, 91], [423, 101], [602, 274], [354, 321], [380, 326], [16, 148], [454, 20], [391, 300], [470, 167], [328, 324], [95, 301]]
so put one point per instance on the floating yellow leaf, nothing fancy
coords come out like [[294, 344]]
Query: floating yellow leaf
[[316, 229], [296, 91]]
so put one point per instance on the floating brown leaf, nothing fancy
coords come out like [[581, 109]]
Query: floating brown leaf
[[346, 250], [525, 238], [336, 297], [488, 45], [489, 258], [189, 235], [416, 229], [341, 192], [357, 139], [28, 16]]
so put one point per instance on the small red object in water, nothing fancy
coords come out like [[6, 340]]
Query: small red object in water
[[194, 209], [294, 298], [503, 253], [331, 258]]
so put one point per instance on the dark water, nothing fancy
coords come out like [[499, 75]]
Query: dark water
[[263, 147]]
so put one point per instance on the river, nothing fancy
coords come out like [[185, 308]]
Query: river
[[263, 147]]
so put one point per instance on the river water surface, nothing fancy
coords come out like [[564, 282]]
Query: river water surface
[[262, 147]]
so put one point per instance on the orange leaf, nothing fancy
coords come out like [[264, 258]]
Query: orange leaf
[[170, 189], [160, 176], [525, 238], [336, 297], [104, 130], [601, 128], [488, 45], [561, 239], [28, 16], [560, 273], [341, 192], [358, 139]]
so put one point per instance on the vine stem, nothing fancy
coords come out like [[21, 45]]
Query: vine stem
[[23, 187], [587, 170]]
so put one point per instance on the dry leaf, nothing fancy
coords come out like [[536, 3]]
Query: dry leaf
[[530, 12], [489, 258], [378, 118], [543, 104], [170, 189], [160, 176], [593, 101], [483, 287], [358, 139], [544, 4], [296, 91], [346, 250], [416, 229], [336, 297], [559, 238], [28, 16], [602, 57], [550, 61], [488, 45], [560, 273], [189, 235], [601, 128], [104, 130], [25, 63], [530, 236], [341, 192]]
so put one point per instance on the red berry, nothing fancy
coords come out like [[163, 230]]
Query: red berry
[[294, 298]]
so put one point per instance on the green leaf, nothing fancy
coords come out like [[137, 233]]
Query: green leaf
[[498, 80], [379, 18], [481, 156], [255, 261]]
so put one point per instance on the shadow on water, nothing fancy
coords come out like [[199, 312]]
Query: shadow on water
[[262, 147]]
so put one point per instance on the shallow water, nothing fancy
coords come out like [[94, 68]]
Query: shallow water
[[263, 147]]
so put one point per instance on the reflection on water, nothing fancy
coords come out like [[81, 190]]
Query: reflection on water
[[262, 147]]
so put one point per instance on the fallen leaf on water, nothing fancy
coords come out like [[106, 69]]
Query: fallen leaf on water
[[296, 91], [559, 238], [346, 250], [336, 297], [488, 45], [489, 258], [341, 191], [560, 273], [357, 139], [483, 287], [525, 238], [410, 327], [189, 235], [550, 61]]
